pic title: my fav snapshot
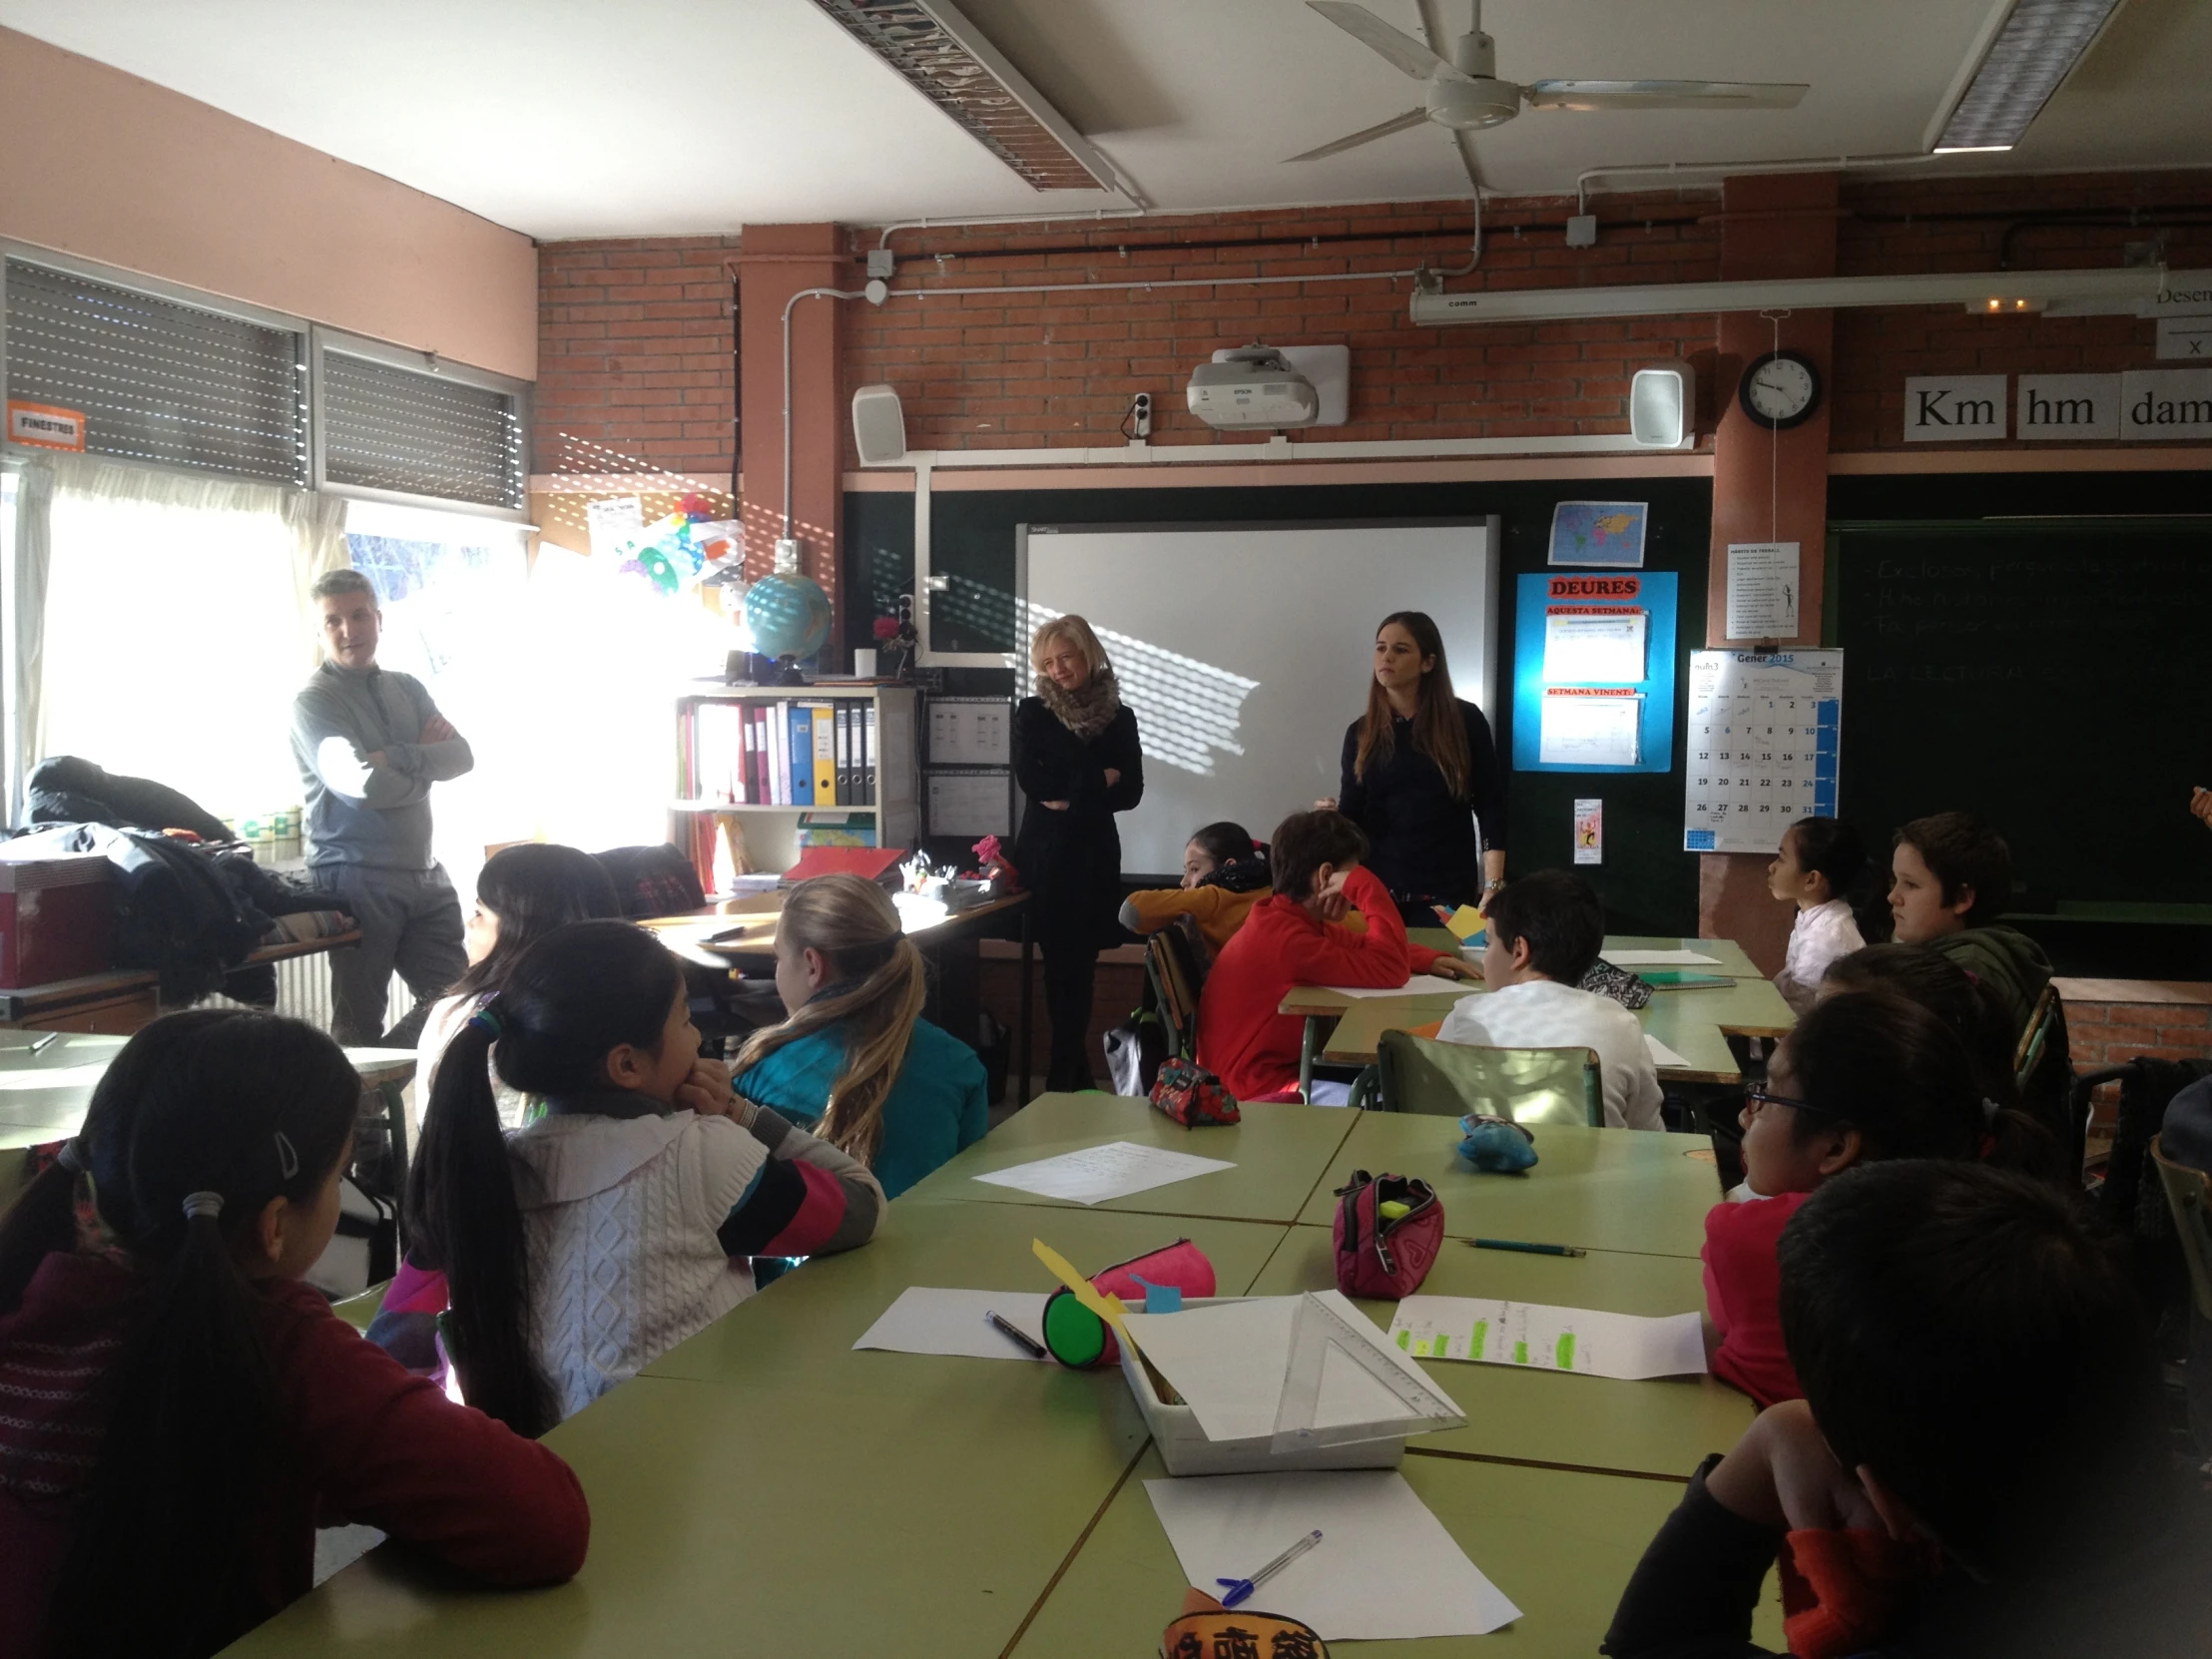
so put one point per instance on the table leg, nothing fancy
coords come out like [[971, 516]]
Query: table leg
[[1028, 952]]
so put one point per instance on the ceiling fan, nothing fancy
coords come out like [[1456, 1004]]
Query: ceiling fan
[[1466, 94]]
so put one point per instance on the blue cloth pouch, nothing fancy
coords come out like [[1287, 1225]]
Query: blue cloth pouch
[[1496, 1146]]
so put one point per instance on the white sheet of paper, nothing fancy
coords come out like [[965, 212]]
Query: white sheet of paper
[[928, 1321], [1593, 649], [1095, 1174], [1662, 1056], [1628, 1345], [1763, 590], [1228, 1361], [1589, 730], [1661, 959], [1384, 1567], [1422, 984]]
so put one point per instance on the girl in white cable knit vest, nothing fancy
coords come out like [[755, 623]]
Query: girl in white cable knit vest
[[622, 1219]]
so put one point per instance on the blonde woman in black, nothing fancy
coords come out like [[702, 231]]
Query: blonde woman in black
[[1078, 762]]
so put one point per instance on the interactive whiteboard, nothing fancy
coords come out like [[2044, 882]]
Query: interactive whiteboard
[[1247, 649]]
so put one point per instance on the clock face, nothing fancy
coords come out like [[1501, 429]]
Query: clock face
[[1779, 389]]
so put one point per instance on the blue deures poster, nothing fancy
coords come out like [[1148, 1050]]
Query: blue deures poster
[[1593, 671]]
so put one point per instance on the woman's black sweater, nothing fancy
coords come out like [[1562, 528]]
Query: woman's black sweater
[[1421, 836], [1071, 860]]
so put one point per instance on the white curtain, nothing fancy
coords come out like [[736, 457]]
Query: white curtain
[[175, 627], [26, 489]]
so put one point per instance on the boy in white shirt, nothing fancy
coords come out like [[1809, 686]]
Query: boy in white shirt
[[1546, 930]]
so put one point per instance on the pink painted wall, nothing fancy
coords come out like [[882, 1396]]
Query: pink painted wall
[[108, 167]]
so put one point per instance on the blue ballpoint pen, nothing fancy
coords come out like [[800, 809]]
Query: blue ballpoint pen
[[1236, 1590]]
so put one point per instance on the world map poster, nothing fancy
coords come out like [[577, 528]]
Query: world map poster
[[1598, 533]]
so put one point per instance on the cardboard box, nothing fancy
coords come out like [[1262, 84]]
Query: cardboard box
[[57, 917]]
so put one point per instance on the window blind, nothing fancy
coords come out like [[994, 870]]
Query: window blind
[[396, 429], [157, 380]]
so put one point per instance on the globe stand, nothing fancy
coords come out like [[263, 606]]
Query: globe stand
[[787, 672]]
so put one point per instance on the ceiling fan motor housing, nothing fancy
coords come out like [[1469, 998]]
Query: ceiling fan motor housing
[[1466, 106]]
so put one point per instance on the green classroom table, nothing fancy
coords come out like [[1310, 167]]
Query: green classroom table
[[1634, 1190], [765, 1488], [1559, 1545], [1696, 1024], [1663, 1427], [1280, 1152], [798, 1331]]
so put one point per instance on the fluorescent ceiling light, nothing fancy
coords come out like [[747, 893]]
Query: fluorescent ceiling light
[[2034, 52], [2026, 288], [946, 58]]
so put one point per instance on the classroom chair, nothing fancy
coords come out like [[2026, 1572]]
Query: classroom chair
[[2189, 1196], [1175, 985], [1527, 1085]]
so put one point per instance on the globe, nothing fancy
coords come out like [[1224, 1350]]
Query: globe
[[788, 616]]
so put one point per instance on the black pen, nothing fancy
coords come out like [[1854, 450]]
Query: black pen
[[1030, 1344]]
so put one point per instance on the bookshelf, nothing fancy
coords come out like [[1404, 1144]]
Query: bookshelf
[[737, 769]]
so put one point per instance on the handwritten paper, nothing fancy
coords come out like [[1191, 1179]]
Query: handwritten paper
[[1422, 984], [1584, 1340], [928, 1321], [1581, 730], [1385, 1569], [1098, 1173]]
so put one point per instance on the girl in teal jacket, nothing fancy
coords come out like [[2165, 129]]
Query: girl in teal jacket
[[855, 1052]]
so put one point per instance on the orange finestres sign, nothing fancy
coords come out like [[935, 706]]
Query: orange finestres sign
[[45, 427]]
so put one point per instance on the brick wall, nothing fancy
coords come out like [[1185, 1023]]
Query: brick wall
[[1899, 224], [634, 356], [1020, 370], [635, 336]]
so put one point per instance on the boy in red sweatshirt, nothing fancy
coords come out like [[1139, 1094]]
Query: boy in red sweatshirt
[[1290, 941]]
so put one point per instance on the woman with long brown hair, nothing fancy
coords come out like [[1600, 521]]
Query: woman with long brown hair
[[1420, 770], [1078, 762]]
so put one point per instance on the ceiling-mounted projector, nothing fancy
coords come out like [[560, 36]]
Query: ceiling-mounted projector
[[1253, 386]]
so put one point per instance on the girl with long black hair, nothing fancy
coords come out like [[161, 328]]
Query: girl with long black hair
[[522, 894], [177, 1408], [623, 1219]]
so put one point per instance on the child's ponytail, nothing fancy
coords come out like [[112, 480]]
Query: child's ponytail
[[879, 989], [466, 1222], [201, 1121]]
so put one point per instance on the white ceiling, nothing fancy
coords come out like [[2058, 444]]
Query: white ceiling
[[576, 118]]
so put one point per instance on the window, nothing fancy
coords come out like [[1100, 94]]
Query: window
[[158, 380], [403, 431]]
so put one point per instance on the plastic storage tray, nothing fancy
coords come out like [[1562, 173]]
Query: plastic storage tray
[[1185, 1449]]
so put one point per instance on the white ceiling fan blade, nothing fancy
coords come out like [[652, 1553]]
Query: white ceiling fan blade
[[1664, 95], [1433, 26], [1402, 50], [1465, 142], [1366, 134]]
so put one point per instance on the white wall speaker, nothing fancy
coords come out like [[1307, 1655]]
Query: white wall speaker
[[1662, 407], [878, 425]]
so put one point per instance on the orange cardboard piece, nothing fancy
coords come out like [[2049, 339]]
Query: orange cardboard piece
[[867, 862]]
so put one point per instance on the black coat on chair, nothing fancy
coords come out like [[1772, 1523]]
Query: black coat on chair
[[1071, 860]]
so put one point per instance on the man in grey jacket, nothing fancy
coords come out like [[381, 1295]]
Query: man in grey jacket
[[369, 743]]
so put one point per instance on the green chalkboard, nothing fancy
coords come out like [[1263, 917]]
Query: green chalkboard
[[2053, 676]]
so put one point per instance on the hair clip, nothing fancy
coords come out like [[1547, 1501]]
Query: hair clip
[[70, 1158], [203, 1204], [287, 1159], [490, 1019]]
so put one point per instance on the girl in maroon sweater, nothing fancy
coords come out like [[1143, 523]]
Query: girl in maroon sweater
[[178, 1412]]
